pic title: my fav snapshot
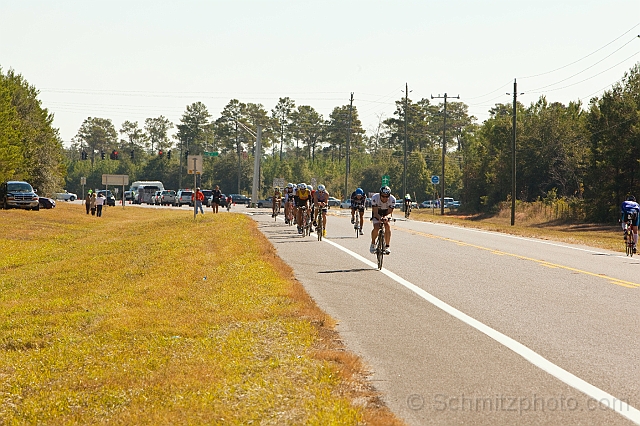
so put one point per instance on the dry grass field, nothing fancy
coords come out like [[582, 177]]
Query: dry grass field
[[145, 316]]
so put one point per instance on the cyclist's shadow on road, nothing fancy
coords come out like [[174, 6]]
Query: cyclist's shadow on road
[[344, 270]]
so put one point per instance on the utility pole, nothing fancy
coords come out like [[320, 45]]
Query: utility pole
[[513, 152], [444, 145], [347, 162], [406, 119]]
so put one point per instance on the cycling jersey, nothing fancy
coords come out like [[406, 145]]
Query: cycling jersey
[[303, 194], [384, 206], [322, 197], [357, 201], [633, 208]]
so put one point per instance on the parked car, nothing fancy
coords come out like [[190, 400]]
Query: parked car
[[207, 196], [454, 204], [367, 202], [333, 202], [184, 196], [223, 200], [128, 195], [399, 204], [428, 204], [346, 204], [268, 202], [168, 197], [155, 198], [46, 203], [66, 196], [19, 195], [110, 200], [240, 199]]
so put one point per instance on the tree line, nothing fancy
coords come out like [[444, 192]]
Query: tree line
[[585, 154]]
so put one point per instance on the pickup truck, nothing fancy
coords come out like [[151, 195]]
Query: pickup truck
[[168, 197]]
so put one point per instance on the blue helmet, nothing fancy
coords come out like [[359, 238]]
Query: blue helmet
[[359, 191]]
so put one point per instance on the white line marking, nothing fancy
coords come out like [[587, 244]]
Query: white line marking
[[534, 358]]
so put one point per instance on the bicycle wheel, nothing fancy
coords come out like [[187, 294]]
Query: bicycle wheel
[[319, 229], [380, 248], [357, 228]]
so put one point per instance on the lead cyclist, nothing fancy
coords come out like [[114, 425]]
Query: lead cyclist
[[382, 205]]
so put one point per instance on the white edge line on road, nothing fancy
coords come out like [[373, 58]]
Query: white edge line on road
[[534, 358]]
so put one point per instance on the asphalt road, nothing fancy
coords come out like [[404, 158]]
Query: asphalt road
[[467, 326]]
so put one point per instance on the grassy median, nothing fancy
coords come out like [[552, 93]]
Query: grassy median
[[145, 316]]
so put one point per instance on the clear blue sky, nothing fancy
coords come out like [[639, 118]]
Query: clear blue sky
[[130, 60]]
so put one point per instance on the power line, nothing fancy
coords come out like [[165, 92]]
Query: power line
[[585, 57]]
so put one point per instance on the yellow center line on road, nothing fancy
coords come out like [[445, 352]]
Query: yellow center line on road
[[615, 281]]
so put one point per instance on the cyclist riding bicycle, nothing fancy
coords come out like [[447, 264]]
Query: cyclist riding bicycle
[[407, 203], [382, 205], [357, 203], [303, 199], [631, 209], [320, 200], [288, 202], [313, 206], [275, 201]]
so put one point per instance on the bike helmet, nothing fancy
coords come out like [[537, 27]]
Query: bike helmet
[[407, 196], [289, 185], [359, 191], [321, 188], [631, 198], [302, 186], [385, 190], [310, 188]]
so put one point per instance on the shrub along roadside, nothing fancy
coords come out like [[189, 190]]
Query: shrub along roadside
[[145, 316]]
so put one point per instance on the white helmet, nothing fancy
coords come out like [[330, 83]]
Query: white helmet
[[289, 185], [310, 188], [321, 188], [302, 186]]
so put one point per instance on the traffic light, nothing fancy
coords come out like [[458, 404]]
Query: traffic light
[[169, 155], [102, 154], [116, 156], [186, 154], [160, 153], [84, 155], [132, 155]]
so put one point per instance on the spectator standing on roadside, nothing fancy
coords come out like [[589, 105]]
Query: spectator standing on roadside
[[199, 197], [87, 201], [99, 204], [92, 204], [215, 198]]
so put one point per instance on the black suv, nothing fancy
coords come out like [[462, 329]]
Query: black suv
[[18, 194]]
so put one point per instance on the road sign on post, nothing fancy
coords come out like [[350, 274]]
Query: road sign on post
[[435, 180], [210, 154], [279, 182], [385, 180], [194, 164]]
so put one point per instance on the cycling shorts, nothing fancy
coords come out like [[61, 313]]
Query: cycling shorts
[[359, 208], [300, 202], [381, 213], [634, 216]]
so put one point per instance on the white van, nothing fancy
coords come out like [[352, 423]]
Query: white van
[[142, 191]]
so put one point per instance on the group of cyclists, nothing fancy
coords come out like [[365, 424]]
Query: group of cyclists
[[299, 197]]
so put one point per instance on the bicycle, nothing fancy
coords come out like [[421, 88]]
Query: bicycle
[[288, 212], [320, 221], [628, 235], [380, 243], [277, 211], [320, 226], [357, 228], [407, 211]]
